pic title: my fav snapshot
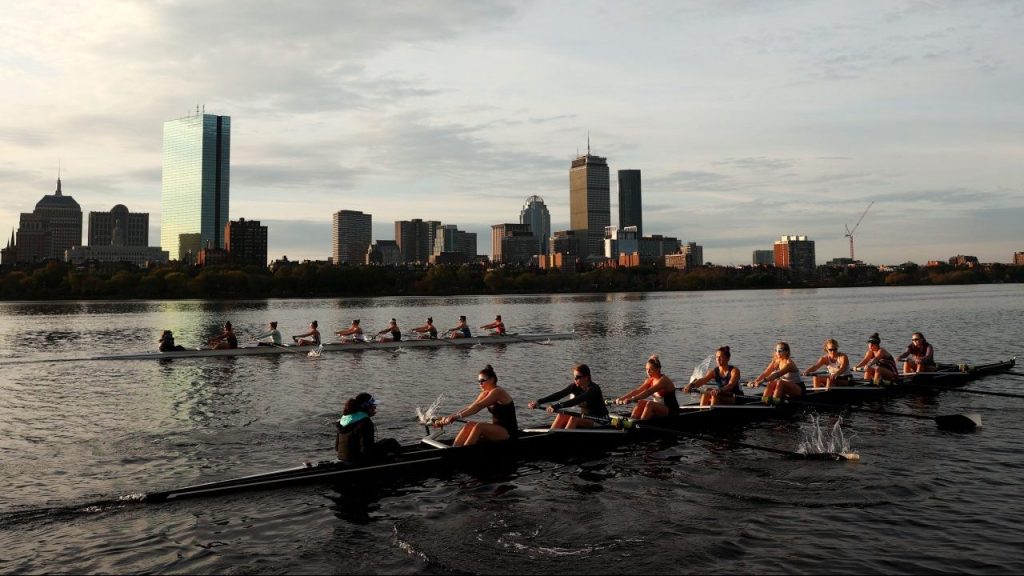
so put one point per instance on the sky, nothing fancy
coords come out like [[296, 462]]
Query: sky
[[748, 120]]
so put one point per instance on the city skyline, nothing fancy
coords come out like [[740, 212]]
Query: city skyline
[[747, 121]]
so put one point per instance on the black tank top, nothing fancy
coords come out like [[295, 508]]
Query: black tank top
[[670, 400], [396, 335], [723, 379], [504, 415]]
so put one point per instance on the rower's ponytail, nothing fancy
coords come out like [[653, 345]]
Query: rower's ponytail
[[654, 361]]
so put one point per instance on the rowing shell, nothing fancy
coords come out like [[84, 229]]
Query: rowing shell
[[339, 347], [431, 454]]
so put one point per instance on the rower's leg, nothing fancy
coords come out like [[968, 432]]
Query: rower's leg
[[463, 436], [490, 432], [637, 412], [560, 421]]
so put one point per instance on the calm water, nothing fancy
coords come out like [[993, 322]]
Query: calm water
[[75, 435]]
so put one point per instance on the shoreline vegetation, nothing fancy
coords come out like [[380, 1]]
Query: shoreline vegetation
[[61, 281]]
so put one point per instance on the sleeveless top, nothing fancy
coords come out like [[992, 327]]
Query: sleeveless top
[[723, 380], [396, 335], [833, 367], [316, 337], [433, 333], [668, 399], [504, 415], [232, 340], [465, 331]]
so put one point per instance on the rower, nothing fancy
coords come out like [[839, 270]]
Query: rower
[[659, 388], [272, 333], [166, 342], [498, 402], [919, 355], [583, 392], [727, 381], [461, 330], [392, 329], [225, 340], [310, 338], [498, 326], [427, 330], [355, 442], [782, 377], [836, 363], [878, 364], [354, 333]]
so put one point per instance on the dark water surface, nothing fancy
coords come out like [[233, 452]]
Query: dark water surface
[[75, 436]]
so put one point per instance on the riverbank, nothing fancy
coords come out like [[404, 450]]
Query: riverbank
[[59, 281]]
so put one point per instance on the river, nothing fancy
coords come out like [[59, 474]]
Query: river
[[75, 435]]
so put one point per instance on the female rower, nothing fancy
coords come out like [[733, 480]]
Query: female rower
[[396, 334], [311, 338], [225, 339], [659, 387], [878, 364], [498, 326], [498, 402], [427, 330], [583, 392], [461, 329], [353, 333], [727, 381], [356, 442], [836, 363], [782, 377], [919, 356]]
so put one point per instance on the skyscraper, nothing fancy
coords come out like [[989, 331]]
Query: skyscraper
[[630, 211], [246, 242], [48, 231], [590, 201], [351, 234], [196, 183], [416, 239], [536, 214]]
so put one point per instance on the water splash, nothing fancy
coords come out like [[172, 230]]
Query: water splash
[[701, 369], [427, 416], [820, 438], [315, 353]]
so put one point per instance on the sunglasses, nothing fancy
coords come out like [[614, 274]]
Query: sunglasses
[[781, 350], [577, 376], [482, 380], [915, 339], [831, 349]]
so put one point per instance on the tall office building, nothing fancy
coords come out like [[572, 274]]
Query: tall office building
[[536, 214], [693, 253], [450, 239], [795, 253], [512, 244], [1018, 258], [763, 258], [196, 183], [351, 235], [630, 211], [590, 201], [119, 227], [416, 239], [48, 231], [246, 242]]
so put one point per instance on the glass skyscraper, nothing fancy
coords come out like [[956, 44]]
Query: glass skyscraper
[[536, 214], [196, 184], [630, 210]]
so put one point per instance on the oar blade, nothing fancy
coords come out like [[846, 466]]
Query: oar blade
[[959, 422], [849, 456]]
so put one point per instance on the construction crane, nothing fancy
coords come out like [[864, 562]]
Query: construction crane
[[849, 232]]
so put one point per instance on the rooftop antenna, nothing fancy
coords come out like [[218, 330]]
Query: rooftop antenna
[[588, 142]]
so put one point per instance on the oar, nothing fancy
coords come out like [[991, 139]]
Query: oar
[[954, 422], [291, 349], [964, 390], [851, 456], [1017, 374], [629, 423], [514, 339]]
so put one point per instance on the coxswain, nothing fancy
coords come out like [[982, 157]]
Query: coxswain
[[356, 441], [497, 401], [583, 392], [166, 342], [659, 388], [726, 379]]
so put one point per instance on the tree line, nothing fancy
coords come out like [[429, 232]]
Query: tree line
[[61, 281]]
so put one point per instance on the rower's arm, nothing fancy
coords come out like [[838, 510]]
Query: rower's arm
[[821, 362], [556, 396]]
